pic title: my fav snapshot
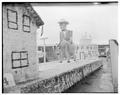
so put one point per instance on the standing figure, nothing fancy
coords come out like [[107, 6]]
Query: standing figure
[[66, 43]]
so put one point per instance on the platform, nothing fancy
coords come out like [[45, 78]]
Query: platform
[[57, 77], [51, 69]]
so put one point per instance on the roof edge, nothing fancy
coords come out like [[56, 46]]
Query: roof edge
[[33, 13]]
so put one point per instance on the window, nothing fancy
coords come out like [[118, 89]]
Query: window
[[12, 19], [19, 59], [26, 23]]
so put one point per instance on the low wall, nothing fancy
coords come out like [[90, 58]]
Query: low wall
[[61, 82]]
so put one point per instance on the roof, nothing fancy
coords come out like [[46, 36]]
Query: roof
[[33, 13], [30, 9]]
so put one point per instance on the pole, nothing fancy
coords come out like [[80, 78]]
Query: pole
[[44, 48], [44, 52]]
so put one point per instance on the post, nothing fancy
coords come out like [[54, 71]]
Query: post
[[44, 48]]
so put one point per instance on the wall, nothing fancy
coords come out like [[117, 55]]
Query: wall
[[17, 40], [114, 63], [60, 82]]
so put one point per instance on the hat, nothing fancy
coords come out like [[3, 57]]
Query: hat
[[63, 21]]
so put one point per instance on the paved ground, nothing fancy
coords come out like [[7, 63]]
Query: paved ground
[[100, 81], [55, 64], [49, 69]]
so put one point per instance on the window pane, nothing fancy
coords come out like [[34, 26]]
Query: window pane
[[27, 29], [24, 62], [16, 55], [12, 25], [23, 55], [12, 16], [26, 20], [16, 63]]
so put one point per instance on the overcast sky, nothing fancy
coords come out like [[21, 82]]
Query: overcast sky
[[98, 20]]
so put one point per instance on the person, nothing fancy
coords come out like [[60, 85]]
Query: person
[[66, 44]]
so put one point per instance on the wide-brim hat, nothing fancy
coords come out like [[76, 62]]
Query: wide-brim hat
[[63, 21]]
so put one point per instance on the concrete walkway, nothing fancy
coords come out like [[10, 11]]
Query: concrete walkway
[[56, 64], [50, 69], [100, 81]]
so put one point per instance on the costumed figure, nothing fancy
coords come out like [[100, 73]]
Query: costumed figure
[[66, 46]]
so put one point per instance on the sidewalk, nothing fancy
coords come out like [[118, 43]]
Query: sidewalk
[[49, 69], [56, 64]]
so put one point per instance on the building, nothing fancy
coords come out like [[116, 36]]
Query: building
[[85, 39], [51, 53], [104, 50], [20, 22], [87, 50]]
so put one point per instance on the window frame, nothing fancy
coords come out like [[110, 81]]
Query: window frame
[[8, 21], [28, 26], [19, 59]]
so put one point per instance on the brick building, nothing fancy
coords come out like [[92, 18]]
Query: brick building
[[20, 22]]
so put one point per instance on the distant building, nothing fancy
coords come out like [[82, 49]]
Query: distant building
[[85, 39], [20, 22], [87, 49], [104, 50], [51, 53]]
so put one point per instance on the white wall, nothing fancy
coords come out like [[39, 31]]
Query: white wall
[[114, 62], [17, 40]]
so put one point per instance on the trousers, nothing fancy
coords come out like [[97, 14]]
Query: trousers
[[66, 50]]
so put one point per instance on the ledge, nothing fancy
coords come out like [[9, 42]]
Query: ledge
[[51, 82]]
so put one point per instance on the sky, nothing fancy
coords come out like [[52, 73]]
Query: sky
[[100, 21]]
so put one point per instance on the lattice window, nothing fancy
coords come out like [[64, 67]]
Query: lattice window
[[26, 23], [19, 59], [12, 19]]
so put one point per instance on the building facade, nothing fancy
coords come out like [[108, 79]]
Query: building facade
[[20, 22], [104, 50], [51, 53], [87, 50]]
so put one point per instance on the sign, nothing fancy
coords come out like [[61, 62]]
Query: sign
[[8, 80]]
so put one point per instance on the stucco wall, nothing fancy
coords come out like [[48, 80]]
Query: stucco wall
[[18, 40]]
